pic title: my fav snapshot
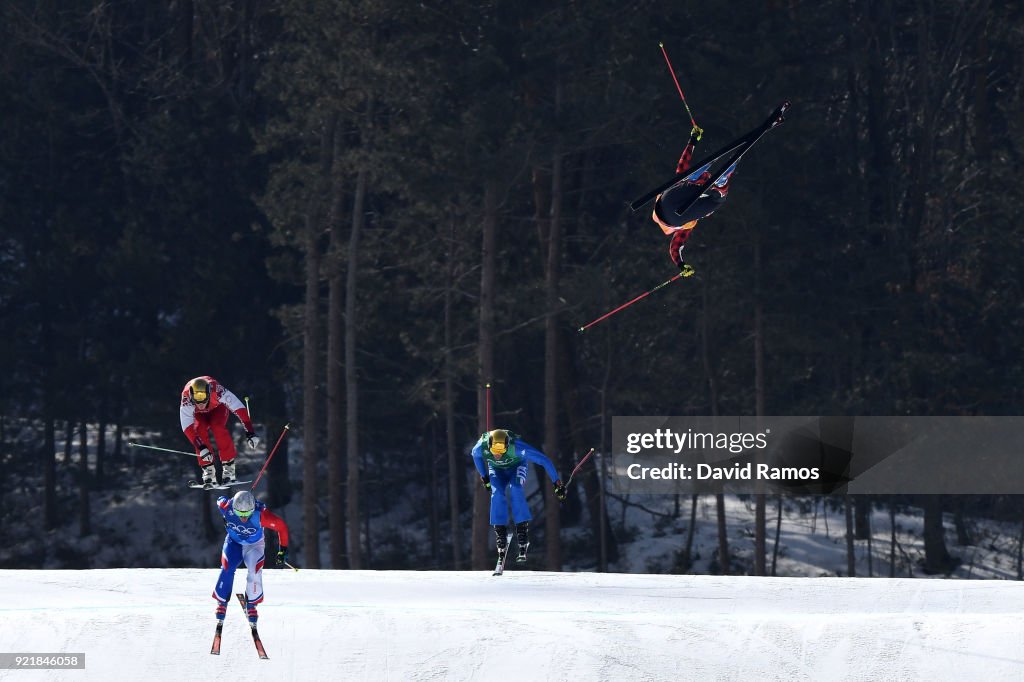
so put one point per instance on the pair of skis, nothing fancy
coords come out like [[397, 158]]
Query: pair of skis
[[734, 151], [199, 485], [215, 650]]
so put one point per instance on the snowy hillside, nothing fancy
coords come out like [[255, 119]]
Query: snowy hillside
[[157, 624]]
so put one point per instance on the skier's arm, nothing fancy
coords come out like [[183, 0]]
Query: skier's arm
[[222, 505], [478, 459], [687, 155], [187, 416], [235, 405], [534, 455], [269, 519]]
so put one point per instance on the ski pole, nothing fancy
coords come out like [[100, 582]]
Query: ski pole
[[267, 462], [153, 447], [247, 408], [680, 89], [487, 416], [585, 458], [629, 303], [291, 567]]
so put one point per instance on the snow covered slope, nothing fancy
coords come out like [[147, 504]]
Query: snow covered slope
[[157, 624]]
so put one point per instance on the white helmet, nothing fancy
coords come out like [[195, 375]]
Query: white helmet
[[243, 503]]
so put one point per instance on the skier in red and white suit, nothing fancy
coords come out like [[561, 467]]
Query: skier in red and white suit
[[205, 405]]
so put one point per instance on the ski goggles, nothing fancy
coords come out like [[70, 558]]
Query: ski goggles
[[499, 445], [243, 515], [200, 396]]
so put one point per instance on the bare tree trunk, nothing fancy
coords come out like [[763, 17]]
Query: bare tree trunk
[[937, 559], [871, 568], [607, 540], [724, 562], [434, 516], [101, 452], [310, 360], [335, 371], [485, 363], [552, 435], [778, 535], [1020, 553], [892, 538], [690, 532], [49, 459], [861, 516], [351, 375], [851, 562], [279, 485], [84, 513], [963, 534], [760, 520], [709, 373], [454, 470]]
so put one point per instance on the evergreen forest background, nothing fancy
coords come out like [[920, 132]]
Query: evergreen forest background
[[361, 213]]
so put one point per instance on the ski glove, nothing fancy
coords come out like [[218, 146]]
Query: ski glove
[[282, 556], [205, 457], [560, 491], [686, 269], [486, 480], [253, 439]]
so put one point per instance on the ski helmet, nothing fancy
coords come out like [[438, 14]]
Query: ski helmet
[[199, 391], [243, 503], [498, 441]]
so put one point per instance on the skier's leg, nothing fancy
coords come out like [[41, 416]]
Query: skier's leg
[[255, 556], [230, 557], [678, 244], [225, 443], [696, 175], [721, 185], [221, 435], [702, 208], [205, 461], [680, 195], [520, 508], [499, 501]]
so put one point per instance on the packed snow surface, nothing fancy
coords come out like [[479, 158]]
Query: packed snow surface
[[157, 624]]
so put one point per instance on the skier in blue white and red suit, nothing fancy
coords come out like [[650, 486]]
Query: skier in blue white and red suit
[[245, 517], [503, 462]]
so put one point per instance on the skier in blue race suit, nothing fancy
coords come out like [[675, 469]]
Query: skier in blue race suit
[[503, 462], [245, 518]]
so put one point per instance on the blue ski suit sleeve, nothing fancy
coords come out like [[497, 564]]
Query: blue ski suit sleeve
[[478, 458], [534, 455]]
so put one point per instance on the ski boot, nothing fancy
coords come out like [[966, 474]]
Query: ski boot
[[222, 609], [227, 472], [250, 610], [501, 541], [522, 540], [779, 115], [721, 186], [209, 475]]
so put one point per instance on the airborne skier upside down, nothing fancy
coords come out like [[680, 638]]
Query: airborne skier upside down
[[682, 201]]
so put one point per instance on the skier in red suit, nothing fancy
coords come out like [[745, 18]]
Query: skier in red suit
[[205, 406]]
